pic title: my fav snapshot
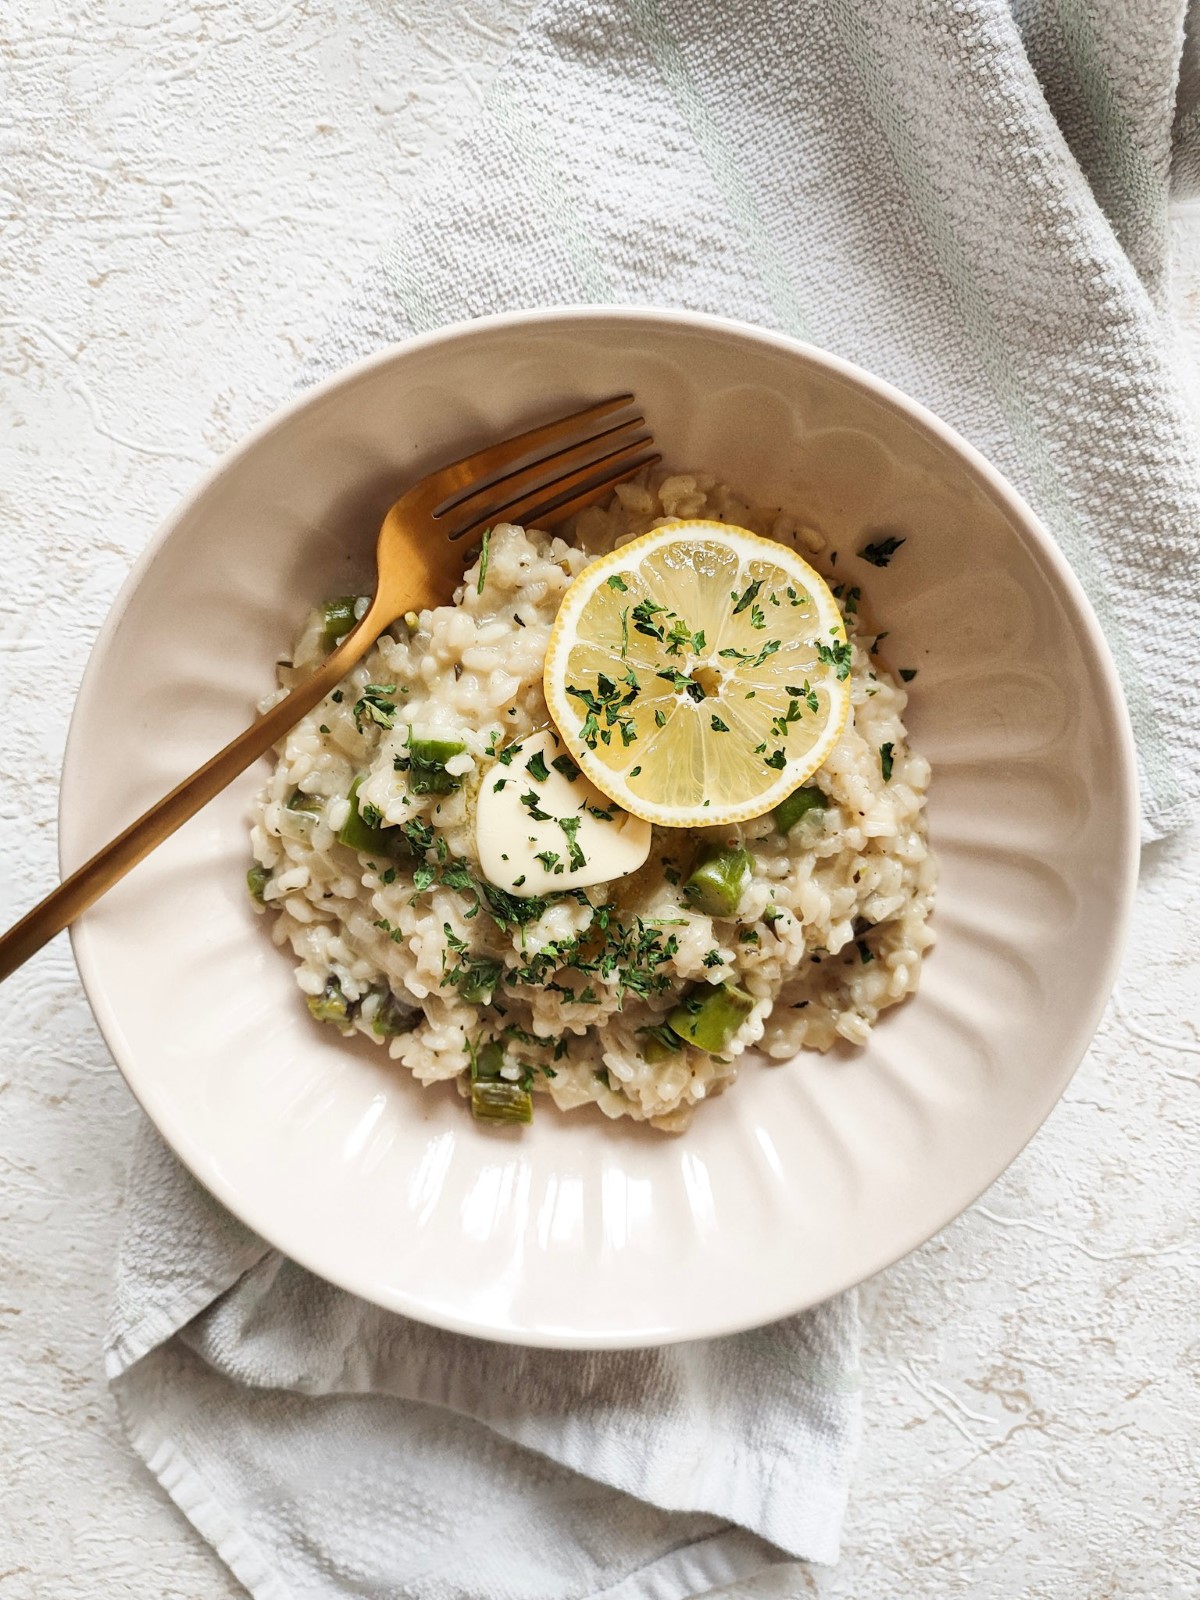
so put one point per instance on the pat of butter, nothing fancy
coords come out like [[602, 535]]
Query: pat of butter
[[538, 834]]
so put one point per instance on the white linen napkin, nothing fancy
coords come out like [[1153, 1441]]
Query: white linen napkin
[[327, 1448], [970, 200]]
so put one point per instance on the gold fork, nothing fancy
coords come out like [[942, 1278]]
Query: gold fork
[[542, 476]]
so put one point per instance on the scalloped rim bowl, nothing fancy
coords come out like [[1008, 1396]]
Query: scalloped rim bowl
[[806, 1177]]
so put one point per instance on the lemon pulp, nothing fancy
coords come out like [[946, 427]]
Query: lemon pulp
[[698, 674]]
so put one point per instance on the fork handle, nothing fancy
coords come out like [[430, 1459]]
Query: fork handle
[[111, 863]]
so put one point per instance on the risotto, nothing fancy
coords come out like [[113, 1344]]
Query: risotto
[[366, 857]]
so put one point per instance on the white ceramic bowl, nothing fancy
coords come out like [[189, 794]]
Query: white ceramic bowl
[[806, 1177]]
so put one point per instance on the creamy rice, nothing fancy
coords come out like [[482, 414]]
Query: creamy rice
[[830, 931]]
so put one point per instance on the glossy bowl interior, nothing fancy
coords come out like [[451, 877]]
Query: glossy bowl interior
[[806, 1177]]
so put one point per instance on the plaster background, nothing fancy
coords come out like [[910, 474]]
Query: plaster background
[[185, 192]]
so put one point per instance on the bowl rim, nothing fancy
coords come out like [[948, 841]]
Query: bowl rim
[[1114, 711]]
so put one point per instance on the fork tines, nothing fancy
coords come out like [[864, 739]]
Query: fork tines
[[551, 472]]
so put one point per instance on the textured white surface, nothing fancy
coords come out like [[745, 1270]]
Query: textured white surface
[[183, 193]]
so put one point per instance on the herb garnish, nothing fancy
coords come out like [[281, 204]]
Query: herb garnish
[[374, 706], [885, 761], [781, 724], [807, 693], [747, 658], [881, 553], [610, 704], [530, 801], [747, 596], [836, 655], [570, 826], [644, 614], [681, 683], [682, 638]]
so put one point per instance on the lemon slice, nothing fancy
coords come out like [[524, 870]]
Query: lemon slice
[[698, 674]]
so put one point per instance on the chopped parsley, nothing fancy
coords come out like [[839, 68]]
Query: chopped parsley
[[747, 597], [607, 708], [718, 726], [881, 553], [374, 706], [419, 834], [908, 673], [536, 814], [536, 767], [510, 910], [836, 655], [681, 683], [747, 657], [564, 765], [576, 857], [807, 693], [781, 724], [618, 582], [885, 761], [681, 638], [483, 560], [644, 614], [475, 977]]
